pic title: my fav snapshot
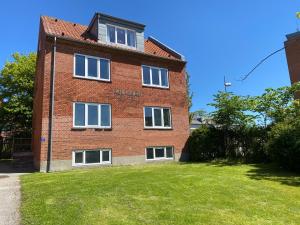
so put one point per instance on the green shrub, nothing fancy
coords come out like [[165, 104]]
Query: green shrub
[[283, 144], [240, 143], [205, 143]]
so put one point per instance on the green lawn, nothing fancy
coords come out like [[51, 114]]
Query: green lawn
[[213, 193]]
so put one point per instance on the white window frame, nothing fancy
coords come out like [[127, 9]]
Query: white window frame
[[86, 104], [160, 158], [116, 38], [86, 68], [159, 74], [162, 119], [91, 164]]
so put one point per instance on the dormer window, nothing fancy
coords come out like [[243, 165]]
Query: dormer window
[[121, 36]]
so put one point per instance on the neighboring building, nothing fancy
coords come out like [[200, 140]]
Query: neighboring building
[[116, 99], [292, 49], [200, 121]]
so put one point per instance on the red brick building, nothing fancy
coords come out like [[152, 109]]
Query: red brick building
[[105, 95], [292, 50]]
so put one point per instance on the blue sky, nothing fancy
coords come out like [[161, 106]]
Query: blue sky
[[217, 37]]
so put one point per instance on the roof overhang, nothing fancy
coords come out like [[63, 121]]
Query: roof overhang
[[116, 48], [116, 20]]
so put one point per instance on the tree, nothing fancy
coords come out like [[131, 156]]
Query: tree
[[231, 110], [283, 143], [274, 105], [189, 95], [16, 92]]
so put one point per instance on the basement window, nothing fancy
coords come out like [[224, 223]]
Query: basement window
[[155, 77], [91, 67], [91, 157], [157, 118], [157, 153], [91, 115]]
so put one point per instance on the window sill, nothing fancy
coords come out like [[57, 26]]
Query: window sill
[[95, 128], [103, 129], [157, 128], [157, 87], [78, 128], [92, 164], [159, 159], [93, 79]]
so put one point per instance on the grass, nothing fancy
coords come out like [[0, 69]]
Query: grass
[[212, 193]]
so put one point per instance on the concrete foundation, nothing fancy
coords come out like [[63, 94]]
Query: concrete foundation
[[60, 165]]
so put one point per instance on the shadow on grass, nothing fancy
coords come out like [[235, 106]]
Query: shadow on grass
[[274, 173], [263, 171]]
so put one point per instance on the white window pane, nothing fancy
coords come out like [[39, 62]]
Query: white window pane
[[79, 114], [106, 156], [104, 69], [157, 117], [93, 115], [148, 117], [169, 152], [164, 78], [167, 119], [146, 75], [80, 65], [149, 153], [130, 38], [78, 157], [105, 115], [92, 67], [92, 157], [120, 36], [159, 152], [111, 34], [155, 76]]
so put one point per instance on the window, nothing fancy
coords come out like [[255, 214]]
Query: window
[[90, 157], [91, 67], [155, 77], [156, 153], [91, 115], [121, 36], [156, 117]]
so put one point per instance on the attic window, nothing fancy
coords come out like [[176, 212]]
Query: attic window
[[121, 36]]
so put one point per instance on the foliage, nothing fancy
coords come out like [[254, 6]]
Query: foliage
[[205, 143], [16, 92], [204, 193], [252, 129], [274, 104], [189, 95], [283, 143], [231, 110]]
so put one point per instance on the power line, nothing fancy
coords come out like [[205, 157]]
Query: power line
[[260, 62]]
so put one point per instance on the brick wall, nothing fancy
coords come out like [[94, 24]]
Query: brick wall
[[292, 49], [127, 136]]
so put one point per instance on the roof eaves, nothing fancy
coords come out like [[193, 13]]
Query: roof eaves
[[116, 19], [113, 47], [166, 47]]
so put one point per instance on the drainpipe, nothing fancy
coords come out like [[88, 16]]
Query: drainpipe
[[51, 106]]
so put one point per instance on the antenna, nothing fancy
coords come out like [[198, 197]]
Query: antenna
[[226, 84]]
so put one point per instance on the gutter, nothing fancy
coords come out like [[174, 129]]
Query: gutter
[[51, 107], [115, 48]]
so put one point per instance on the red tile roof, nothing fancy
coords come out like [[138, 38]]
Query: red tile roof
[[57, 27]]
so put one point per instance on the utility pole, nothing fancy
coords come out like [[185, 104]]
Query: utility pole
[[226, 84]]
